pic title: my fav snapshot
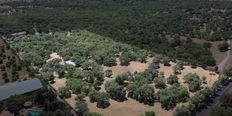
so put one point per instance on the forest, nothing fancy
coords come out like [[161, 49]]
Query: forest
[[143, 24], [95, 35]]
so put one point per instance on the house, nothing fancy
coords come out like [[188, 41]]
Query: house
[[19, 88]]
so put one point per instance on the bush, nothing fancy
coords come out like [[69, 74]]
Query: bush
[[223, 46], [64, 92], [173, 79]]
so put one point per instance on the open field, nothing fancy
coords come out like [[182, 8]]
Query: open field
[[8, 56], [211, 76], [131, 107], [58, 83]]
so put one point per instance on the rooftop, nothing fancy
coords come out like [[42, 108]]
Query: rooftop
[[18, 88]]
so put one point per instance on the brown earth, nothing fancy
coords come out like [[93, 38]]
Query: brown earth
[[55, 55]]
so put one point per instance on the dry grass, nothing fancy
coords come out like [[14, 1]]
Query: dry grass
[[55, 55], [59, 83], [72, 100], [211, 77], [134, 66], [131, 107], [128, 108]]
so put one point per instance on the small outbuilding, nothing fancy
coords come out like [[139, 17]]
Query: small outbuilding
[[69, 62]]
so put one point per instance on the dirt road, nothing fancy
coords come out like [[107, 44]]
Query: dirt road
[[221, 65]]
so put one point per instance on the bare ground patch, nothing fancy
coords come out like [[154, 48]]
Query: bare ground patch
[[59, 83], [55, 55], [128, 108], [211, 77]]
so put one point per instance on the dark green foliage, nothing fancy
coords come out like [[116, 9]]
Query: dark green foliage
[[92, 95], [75, 85], [224, 108], [47, 75], [64, 92], [182, 111], [223, 46], [125, 59], [149, 113], [102, 100], [171, 96], [81, 107], [121, 78], [173, 79], [115, 91], [221, 111], [193, 81], [108, 73], [122, 23], [166, 60], [142, 93], [207, 44], [226, 100], [91, 114], [160, 81]]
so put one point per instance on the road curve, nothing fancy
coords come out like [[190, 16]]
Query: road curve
[[222, 64]]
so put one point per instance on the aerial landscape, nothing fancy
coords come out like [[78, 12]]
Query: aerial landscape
[[115, 57]]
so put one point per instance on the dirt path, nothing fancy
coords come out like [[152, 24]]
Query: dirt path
[[221, 65]]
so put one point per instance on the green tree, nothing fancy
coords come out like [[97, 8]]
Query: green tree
[[223, 46], [102, 100], [172, 79], [64, 92], [121, 78], [81, 107], [182, 111], [115, 91], [149, 113]]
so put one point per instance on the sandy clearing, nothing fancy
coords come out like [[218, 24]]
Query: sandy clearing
[[128, 108], [59, 82], [71, 101], [55, 55], [187, 69], [134, 66]]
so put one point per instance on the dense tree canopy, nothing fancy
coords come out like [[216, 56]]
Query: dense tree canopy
[[121, 23]]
